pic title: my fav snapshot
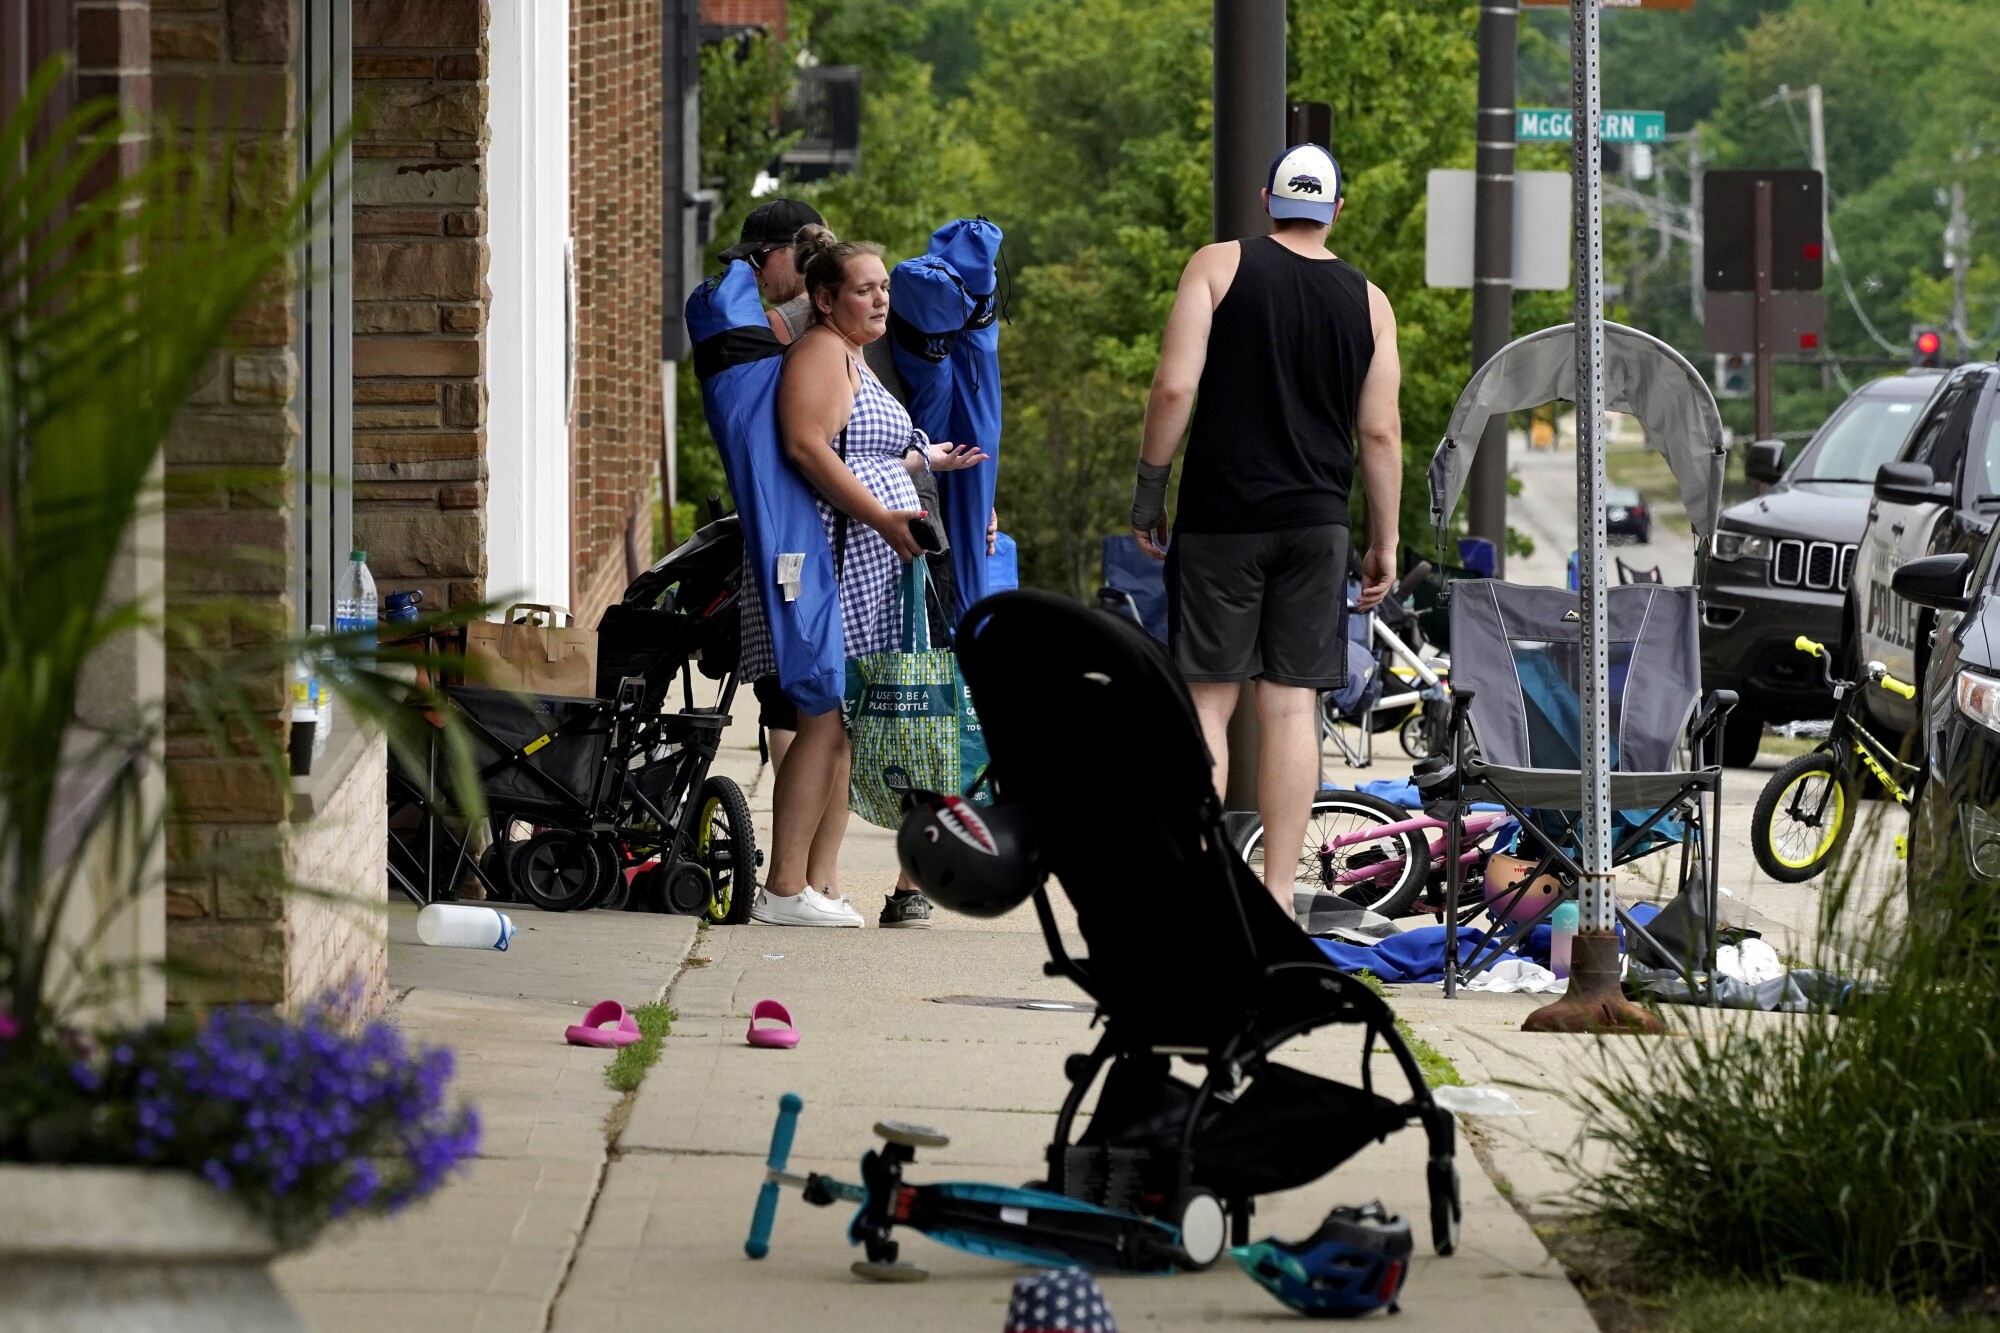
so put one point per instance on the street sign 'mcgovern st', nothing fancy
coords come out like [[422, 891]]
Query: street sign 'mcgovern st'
[[1551, 125]]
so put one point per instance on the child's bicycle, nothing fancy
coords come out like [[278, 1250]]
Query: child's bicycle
[[1806, 810]]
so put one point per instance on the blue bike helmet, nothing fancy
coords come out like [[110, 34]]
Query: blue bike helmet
[[1354, 1264]]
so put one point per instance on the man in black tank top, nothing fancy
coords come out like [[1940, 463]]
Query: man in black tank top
[[1285, 357]]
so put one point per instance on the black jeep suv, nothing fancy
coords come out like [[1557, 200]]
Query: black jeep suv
[[1778, 565]]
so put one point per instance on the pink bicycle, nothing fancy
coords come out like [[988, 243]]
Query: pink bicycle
[[1375, 853]]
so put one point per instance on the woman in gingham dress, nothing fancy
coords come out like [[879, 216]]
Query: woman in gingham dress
[[829, 402]]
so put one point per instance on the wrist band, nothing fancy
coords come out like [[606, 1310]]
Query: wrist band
[[1149, 495]]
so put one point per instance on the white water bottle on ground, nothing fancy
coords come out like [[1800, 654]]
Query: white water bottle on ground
[[457, 926]]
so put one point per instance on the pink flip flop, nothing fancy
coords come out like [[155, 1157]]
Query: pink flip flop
[[777, 1038], [607, 1024]]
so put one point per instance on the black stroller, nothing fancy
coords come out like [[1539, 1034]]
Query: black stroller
[[1189, 957], [605, 802]]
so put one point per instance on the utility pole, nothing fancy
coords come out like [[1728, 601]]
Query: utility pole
[[1816, 128], [1697, 256], [1249, 133], [1957, 257], [1493, 260], [1761, 368]]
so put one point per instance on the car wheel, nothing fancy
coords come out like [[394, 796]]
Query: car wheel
[[1742, 736]]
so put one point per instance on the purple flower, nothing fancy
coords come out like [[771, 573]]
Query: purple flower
[[85, 1077], [9, 1028], [308, 1117]]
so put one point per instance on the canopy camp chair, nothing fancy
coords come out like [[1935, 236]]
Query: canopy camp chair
[[1515, 728]]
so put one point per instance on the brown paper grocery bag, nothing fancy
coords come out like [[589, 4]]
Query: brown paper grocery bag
[[531, 652]]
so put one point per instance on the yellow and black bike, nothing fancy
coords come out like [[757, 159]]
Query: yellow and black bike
[[1807, 809]]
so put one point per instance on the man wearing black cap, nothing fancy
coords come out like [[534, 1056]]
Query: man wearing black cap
[[766, 246]]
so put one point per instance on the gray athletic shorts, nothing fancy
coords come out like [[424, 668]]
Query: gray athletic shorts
[[1260, 605]]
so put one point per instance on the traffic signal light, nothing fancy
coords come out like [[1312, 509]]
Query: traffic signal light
[[1926, 346], [1732, 374]]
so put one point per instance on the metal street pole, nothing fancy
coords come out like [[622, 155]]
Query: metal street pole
[[1249, 133], [1595, 1000], [1493, 260], [1249, 110]]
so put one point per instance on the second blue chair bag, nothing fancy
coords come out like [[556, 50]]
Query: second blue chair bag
[[972, 247], [738, 360]]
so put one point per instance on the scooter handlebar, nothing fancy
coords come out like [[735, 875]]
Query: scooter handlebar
[[759, 1243]]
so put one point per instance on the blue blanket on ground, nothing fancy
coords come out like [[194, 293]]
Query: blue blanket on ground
[[1418, 955]]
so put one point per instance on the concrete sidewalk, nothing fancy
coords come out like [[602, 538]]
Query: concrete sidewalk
[[569, 1223], [664, 1245], [489, 1252]]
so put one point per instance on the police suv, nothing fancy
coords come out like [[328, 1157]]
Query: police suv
[[1940, 495]]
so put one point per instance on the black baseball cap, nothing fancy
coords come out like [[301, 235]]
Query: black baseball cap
[[775, 222]]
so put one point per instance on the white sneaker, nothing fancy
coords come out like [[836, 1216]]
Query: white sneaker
[[809, 907]]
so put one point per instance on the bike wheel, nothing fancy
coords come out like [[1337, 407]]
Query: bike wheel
[[1802, 819], [725, 843], [1383, 874]]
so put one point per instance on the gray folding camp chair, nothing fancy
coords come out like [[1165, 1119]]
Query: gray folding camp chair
[[1515, 726], [1513, 738]]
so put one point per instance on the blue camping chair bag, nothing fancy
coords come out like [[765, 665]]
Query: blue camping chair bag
[[738, 360]]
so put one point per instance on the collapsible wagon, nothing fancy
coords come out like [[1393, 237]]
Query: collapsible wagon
[[594, 801]]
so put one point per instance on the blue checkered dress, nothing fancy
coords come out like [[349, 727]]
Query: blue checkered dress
[[870, 606]]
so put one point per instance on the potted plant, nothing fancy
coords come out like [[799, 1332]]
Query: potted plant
[[149, 1172]]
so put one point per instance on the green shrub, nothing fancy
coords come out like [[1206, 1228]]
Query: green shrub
[[1858, 1148]]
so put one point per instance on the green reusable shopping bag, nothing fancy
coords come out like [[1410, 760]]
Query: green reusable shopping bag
[[909, 716]]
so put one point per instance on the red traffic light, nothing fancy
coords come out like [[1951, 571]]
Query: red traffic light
[[1929, 343]]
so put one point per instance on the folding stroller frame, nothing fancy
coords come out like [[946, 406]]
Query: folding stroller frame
[[1190, 958], [1513, 738], [571, 764]]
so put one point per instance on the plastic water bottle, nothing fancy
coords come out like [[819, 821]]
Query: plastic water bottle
[[1562, 932], [304, 734], [354, 603], [457, 926], [322, 701]]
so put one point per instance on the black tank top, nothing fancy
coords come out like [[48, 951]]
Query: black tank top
[[1276, 418]]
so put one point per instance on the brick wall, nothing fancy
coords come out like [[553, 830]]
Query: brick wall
[[420, 297], [616, 220], [230, 63], [231, 929], [746, 13]]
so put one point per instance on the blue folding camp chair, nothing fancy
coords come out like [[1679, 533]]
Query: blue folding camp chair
[[1134, 586]]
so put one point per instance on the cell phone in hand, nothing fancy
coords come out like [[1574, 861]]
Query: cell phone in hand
[[929, 535]]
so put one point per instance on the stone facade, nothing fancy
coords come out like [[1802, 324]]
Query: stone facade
[[420, 297], [338, 935], [615, 203], [231, 932], [231, 541]]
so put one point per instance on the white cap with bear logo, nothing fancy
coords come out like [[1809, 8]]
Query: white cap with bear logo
[[1305, 183]]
